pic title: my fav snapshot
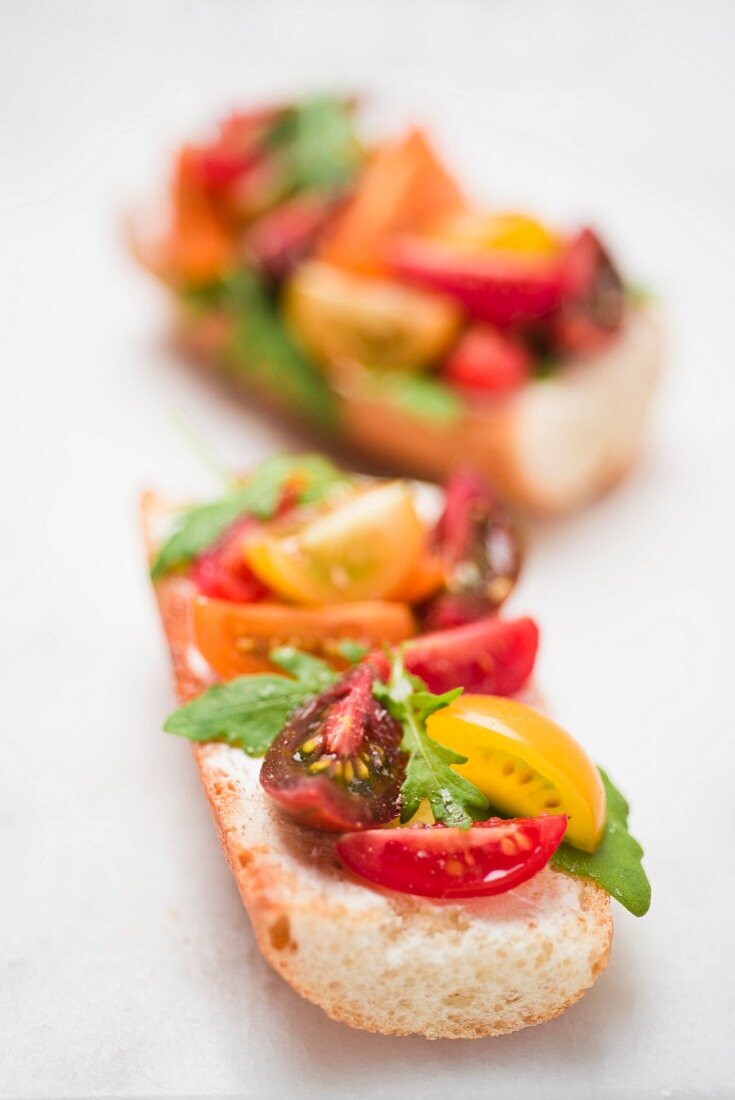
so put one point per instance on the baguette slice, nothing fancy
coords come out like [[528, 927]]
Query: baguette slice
[[374, 959], [554, 446]]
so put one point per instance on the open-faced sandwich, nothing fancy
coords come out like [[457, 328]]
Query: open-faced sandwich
[[420, 849], [357, 287]]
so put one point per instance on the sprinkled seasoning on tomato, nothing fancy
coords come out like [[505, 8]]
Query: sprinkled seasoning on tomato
[[338, 765], [489, 858]]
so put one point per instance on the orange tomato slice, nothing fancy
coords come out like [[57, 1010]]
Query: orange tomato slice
[[235, 639], [404, 189]]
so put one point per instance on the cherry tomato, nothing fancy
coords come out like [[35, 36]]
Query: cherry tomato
[[593, 299], [491, 656], [477, 545], [337, 765], [491, 857], [361, 548], [524, 763], [488, 360], [222, 572]]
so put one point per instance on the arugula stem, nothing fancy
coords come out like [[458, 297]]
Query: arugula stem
[[203, 448]]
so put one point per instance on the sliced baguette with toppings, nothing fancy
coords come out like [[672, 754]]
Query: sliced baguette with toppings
[[374, 959], [554, 446]]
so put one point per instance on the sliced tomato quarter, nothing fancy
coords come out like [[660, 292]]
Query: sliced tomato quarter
[[491, 656], [489, 858]]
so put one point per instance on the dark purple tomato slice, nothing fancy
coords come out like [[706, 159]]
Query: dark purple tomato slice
[[490, 857], [338, 765], [480, 551], [489, 657], [593, 298]]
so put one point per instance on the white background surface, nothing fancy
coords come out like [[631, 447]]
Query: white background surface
[[127, 966]]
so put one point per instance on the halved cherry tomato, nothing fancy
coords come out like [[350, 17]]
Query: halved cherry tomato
[[403, 189], [338, 315], [486, 359], [502, 288], [524, 762], [490, 857], [338, 763], [492, 655], [222, 572], [235, 639], [593, 298], [479, 552], [360, 549]]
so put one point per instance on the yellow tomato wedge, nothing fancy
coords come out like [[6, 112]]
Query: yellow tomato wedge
[[513, 233], [524, 763], [362, 549], [337, 315]]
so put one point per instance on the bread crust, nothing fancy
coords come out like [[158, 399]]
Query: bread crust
[[371, 958], [554, 446]]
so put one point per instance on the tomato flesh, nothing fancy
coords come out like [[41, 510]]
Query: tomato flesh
[[338, 765], [487, 360], [491, 656], [489, 858], [221, 571]]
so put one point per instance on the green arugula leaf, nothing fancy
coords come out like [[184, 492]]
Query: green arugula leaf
[[308, 670], [424, 398], [324, 152], [352, 651], [429, 773], [198, 527], [262, 352], [616, 863], [250, 711]]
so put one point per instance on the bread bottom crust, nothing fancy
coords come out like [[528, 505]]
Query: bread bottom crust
[[373, 959]]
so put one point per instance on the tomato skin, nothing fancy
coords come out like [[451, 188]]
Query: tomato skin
[[487, 360], [432, 861], [337, 765], [221, 571], [491, 656]]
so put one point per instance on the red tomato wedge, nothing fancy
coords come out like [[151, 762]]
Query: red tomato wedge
[[222, 572], [499, 288], [489, 657], [491, 857]]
